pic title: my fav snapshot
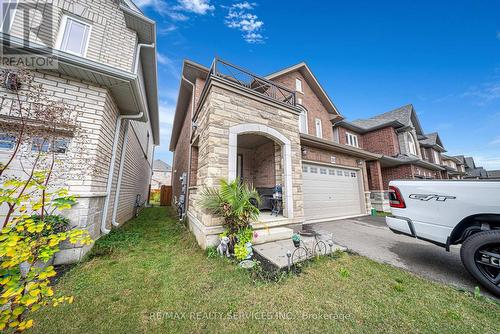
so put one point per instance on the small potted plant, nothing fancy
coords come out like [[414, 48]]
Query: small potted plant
[[296, 239]]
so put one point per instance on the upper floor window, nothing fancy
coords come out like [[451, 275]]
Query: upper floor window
[[73, 36], [351, 139], [7, 141], [7, 12], [319, 130], [411, 145], [436, 157], [303, 121], [298, 85]]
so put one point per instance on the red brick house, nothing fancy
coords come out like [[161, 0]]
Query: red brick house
[[406, 152], [266, 131]]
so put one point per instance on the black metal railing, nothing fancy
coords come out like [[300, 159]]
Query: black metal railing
[[242, 77]]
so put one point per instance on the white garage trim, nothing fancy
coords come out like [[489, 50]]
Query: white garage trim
[[332, 191], [286, 150]]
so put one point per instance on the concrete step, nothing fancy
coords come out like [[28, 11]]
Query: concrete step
[[271, 234], [271, 223]]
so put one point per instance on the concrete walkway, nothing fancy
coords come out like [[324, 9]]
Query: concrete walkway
[[370, 237]]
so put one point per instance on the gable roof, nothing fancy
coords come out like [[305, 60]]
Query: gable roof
[[400, 117], [432, 140], [161, 166], [130, 4], [311, 80]]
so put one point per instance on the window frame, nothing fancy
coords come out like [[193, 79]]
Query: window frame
[[298, 84], [303, 113], [351, 139], [437, 159], [317, 122], [412, 144], [2, 17], [62, 31], [6, 134]]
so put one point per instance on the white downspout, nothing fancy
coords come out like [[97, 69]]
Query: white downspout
[[120, 174], [111, 169], [188, 181]]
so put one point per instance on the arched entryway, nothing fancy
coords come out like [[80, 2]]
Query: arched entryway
[[274, 147]]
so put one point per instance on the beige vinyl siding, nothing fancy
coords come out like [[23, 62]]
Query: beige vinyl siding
[[108, 33], [136, 171]]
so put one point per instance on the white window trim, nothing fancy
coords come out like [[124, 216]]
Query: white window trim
[[14, 12], [352, 139], [301, 90], [62, 28], [437, 159], [306, 130], [411, 141], [317, 122]]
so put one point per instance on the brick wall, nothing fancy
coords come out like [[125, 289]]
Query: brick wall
[[404, 172], [315, 109], [97, 114], [342, 136], [382, 141], [110, 42], [180, 163], [264, 169], [374, 172]]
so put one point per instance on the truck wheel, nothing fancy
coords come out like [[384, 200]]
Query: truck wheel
[[480, 254]]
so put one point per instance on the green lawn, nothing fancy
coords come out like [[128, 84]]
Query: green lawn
[[153, 266]]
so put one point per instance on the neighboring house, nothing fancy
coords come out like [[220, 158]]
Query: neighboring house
[[494, 174], [267, 131], [106, 69], [406, 153], [162, 174], [454, 167], [471, 170]]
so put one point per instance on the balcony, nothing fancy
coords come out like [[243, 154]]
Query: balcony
[[247, 80]]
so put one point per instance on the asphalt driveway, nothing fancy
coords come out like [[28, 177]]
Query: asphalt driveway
[[370, 237]]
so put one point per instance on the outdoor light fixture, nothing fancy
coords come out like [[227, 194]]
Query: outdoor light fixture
[[11, 82], [194, 126], [304, 151]]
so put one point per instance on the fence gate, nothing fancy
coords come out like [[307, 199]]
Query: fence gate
[[165, 195]]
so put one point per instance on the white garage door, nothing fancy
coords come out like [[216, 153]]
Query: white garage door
[[331, 192]]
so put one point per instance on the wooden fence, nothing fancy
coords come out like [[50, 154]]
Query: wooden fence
[[166, 195]]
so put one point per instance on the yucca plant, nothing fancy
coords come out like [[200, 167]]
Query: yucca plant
[[235, 202]]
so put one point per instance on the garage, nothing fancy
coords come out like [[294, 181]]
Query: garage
[[331, 192]]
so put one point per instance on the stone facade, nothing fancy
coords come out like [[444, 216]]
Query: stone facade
[[222, 109]]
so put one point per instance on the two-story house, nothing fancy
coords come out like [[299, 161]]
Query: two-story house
[[454, 167], [106, 69], [397, 136], [470, 169], [162, 174], [265, 131]]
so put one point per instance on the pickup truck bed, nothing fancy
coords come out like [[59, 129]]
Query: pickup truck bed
[[447, 212]]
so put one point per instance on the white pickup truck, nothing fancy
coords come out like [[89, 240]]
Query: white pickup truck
[[452, 212]]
